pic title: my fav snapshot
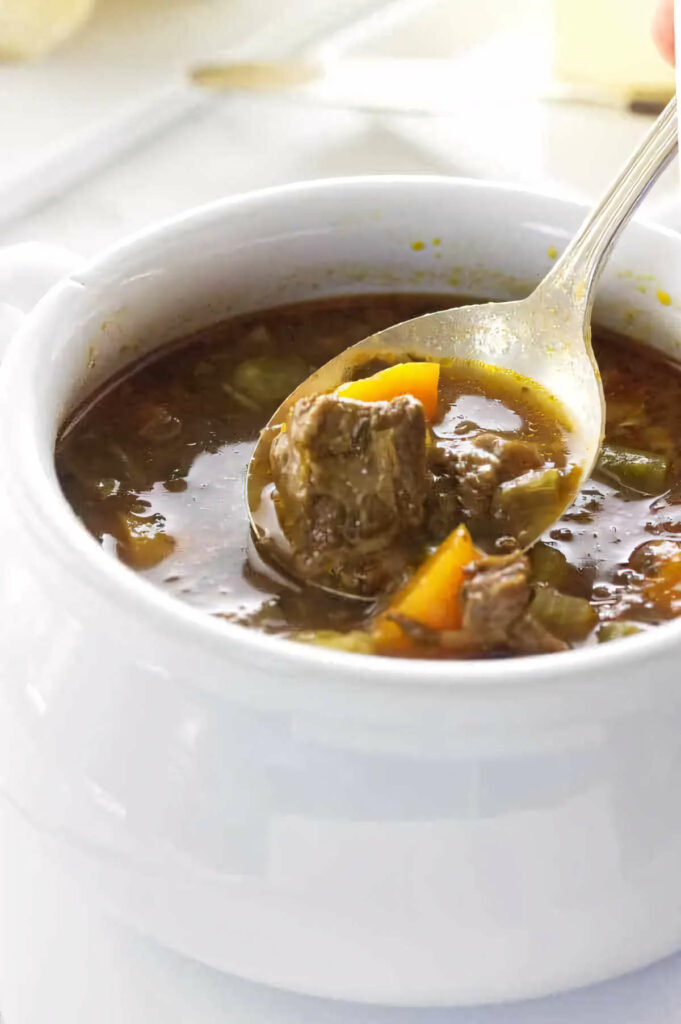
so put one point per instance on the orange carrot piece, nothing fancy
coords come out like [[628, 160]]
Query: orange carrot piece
[[417, 379], [432, 597], [665, 586]]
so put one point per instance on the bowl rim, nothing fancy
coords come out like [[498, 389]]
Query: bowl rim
[[79, 555]]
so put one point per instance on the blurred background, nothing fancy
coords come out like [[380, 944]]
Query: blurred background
[[104, 130]]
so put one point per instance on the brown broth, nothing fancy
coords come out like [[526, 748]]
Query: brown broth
[[160, 453]]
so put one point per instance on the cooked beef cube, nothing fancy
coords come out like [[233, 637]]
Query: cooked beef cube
[[515, 457], [467, 473], [496, 599], [443, 508], [495, 596], [352, 482]]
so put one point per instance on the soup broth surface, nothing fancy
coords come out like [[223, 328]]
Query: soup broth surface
[[154, 465]]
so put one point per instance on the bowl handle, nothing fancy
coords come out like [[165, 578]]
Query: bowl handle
[[27, 272]]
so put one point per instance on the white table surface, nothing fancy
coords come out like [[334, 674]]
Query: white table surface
[[210, 149], [125, 69], [113, 977]]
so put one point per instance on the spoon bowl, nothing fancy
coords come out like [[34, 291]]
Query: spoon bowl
[[545, 338]]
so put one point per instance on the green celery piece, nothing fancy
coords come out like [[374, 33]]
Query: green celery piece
[[616, 630], [549, 565], [529, 503], [268, 380], [569, 618], [641, 471]]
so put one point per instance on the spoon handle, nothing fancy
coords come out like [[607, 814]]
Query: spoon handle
[[580, 265]]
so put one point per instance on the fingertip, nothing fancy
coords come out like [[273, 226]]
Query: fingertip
[[663, 30]]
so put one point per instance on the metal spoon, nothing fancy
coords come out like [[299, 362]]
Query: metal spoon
[[418, 86], [545, 337]]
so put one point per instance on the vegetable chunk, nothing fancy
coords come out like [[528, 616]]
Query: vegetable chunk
[[432, 598], [642, 471], [570, 618], [417, 379], [268, 380], [143, 542]]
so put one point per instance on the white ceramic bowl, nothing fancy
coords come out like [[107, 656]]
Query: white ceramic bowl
[[369, 829]]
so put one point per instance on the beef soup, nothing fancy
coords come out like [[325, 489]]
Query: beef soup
[[364, 480], [412, 486]]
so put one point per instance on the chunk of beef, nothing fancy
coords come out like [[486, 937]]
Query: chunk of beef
[[495, 596], [352, 481], [496, 599], [466, 475]]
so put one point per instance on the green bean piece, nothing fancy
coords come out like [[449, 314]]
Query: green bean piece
[[616, 630], [549, 565], [268, 380], [645, 472], [568, 618], [529, 503]]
